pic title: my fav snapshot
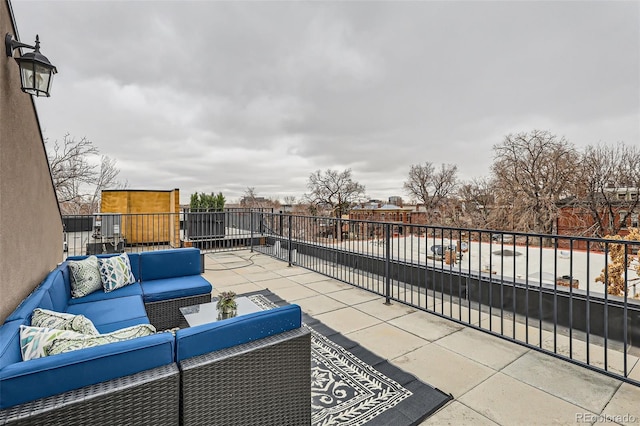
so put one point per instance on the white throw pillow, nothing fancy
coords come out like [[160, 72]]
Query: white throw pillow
[[62, 321], [115, 272], [85, 276], [35, 341], [70, 343]]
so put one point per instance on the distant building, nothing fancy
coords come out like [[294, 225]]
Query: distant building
[[253, 201], [374, 211], [396, 201], [381, 213], [575, 217]]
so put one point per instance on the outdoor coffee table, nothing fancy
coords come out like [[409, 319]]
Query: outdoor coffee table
[[207, 312]]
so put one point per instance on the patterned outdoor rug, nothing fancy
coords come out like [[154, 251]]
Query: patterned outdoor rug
[[352, 386]]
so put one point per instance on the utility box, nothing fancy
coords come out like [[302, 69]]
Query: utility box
[[567, 281], [109, 224], [106, 236]]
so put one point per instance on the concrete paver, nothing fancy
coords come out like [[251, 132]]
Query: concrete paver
[[493, 381], [353, 296], [378, 309], [307, 278], [428, 326], [319, 304], [347, 320], [582, 387], [387, 340], [623, 407], [457, 414], [294, 293], [508, 401], [491, 351], [448, 371]]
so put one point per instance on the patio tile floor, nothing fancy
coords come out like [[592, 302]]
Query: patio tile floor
[[493, 381]]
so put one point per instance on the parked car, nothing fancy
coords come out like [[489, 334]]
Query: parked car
[[507, 238], [439, 249]]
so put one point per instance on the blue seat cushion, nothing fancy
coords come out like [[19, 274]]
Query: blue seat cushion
[[113, 326], [219, 335], [174, 288], [110, 310], [129, 290], [156, 265], [38, 378]]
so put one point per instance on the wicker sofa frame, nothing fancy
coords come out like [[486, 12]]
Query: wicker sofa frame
[[149, 397], [165, 314], [265, 382]]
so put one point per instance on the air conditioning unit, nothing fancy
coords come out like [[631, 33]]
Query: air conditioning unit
[[111, 225], [107, 234]]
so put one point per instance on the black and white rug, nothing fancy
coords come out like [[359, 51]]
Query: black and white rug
[[351, 386]]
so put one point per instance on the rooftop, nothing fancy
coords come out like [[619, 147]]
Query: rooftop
[[492, 380]]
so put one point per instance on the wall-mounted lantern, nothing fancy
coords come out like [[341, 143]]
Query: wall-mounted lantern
[[36, 72]]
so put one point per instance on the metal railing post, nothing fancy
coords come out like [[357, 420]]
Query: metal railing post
[[387, 263], [289, 244], [251, 230]]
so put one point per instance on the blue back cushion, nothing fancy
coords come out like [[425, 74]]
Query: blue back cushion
[[59, 291], [134, 289], [10, 343], [39, 298], [155, 265], [38, 378]]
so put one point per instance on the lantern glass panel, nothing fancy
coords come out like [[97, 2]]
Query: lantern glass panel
[[42, 78]]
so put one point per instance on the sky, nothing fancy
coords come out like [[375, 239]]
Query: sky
[[223, 96]]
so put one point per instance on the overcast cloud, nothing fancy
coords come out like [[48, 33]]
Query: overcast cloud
[[221, 96]]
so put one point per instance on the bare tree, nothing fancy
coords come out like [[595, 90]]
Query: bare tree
[[478, 199], [251, 200], [290, 199], [76, 178], [609, 186], [106, 178], [333, 190], [532, 172], [432, 187]]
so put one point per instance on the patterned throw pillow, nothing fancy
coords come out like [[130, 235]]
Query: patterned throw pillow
[[69, 343], [62, 321], [85, 276], [35, 341], [115, 272]]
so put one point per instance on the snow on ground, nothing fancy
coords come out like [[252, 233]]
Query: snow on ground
[[504, 261]]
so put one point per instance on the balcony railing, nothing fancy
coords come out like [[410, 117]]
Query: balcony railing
[[113, 233], [545, 292]]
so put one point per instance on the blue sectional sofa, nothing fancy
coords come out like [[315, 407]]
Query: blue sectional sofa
[[134, 381]]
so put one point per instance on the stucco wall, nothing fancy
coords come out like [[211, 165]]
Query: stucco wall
[[30, 222]]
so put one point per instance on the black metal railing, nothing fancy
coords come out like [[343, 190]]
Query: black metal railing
[[114, 232], [546, 292]]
